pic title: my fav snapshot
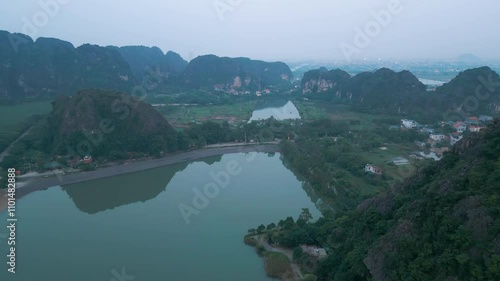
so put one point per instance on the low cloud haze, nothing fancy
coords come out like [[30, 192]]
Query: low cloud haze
[[271, 29]]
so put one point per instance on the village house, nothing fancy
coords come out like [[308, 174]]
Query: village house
[[373, 169], [426, 130], [472, 120], [87, 159], [219, 87], [460, 127], [314, 251], [432, 155], [409, 124], [437, 137], [485, 118], [455, 137], [475, 129]]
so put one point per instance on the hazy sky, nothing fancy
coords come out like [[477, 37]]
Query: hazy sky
[[270, 29]]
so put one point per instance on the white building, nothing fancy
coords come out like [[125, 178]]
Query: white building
[[431, 155], [409, 124], [475, 129], [454, 138], [373, 169], [485, 118], [437, 137]]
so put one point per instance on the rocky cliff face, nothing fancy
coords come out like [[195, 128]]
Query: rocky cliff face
[[382, 90], [235, 74], [324, 81]]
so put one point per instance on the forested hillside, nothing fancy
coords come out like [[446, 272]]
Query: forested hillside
[[443, 223]]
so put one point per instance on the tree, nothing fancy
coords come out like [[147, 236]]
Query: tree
[[289, 223], [281, 223], [261, 228], [271, 226], [305, 215]]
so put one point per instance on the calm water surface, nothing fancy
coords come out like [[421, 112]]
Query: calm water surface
[[278, 111], [93, 231]]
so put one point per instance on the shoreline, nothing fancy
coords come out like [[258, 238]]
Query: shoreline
[[132, 167], [263, 249]]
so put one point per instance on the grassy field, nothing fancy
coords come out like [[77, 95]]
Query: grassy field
[[310, 111], [11, 115], [183, 115], [382, 159], [13, 119], [278, 265]]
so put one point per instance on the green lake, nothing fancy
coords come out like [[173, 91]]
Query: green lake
[[132, 224]]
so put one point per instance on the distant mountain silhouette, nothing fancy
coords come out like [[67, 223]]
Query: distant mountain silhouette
[[468, 58]]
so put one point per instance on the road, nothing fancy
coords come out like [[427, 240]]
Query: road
[[233, 144], [37, 183], [5, 153]]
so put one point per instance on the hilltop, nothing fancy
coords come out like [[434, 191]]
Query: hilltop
[[49, 67], [235, 74], [472, 92], [102, 123]]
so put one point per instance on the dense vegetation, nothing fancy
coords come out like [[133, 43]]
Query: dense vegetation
[[443, 223], [140, 58], [50, 67], [208, 71], [111, 126], [330, 155], [389, 92]]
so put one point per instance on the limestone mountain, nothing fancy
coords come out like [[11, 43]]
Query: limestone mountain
[[474, 91], [103, 123], [51, 67], [381, 91], [321, 80], [140, 58], [235, 74]]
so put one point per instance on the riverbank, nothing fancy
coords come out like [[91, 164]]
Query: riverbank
[[278, 262], [44, 183]]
